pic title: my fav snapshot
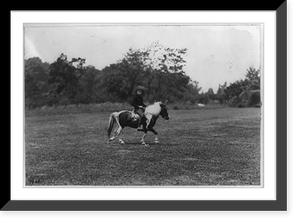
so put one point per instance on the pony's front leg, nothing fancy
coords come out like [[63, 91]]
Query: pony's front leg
[[156, 141]]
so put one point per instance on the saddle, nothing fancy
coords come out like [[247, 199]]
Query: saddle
[[134, 116]]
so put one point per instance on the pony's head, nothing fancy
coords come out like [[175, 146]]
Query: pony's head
[[164, 111]]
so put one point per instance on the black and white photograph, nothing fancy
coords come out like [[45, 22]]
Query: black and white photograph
[[143, 105]]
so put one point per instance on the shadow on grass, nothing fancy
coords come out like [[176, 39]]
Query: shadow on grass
[[128, 143]]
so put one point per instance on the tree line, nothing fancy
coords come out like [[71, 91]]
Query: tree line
[[231, 94], [160, 69]]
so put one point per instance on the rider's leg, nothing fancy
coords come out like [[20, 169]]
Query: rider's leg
[[142, 118]]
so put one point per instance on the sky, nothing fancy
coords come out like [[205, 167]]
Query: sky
[[216, 53]]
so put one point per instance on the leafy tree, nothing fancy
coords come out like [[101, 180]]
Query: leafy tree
[[253, 76], [88, 86], [64, 78], [166, 79], [192, 95], [36, 73], [251, 82], [114, 83], [159, 69]]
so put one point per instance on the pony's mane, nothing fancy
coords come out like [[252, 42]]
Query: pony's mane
[[154, 109]]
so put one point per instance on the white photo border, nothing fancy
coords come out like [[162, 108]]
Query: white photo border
[[19, 192]]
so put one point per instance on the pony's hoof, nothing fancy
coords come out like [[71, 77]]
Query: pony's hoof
[[122, 142], [156, 142], [111, 139], [145, 144]]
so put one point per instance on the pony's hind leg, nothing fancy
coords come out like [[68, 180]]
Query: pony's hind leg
[[114, 135], [143, 139], [118, 131]]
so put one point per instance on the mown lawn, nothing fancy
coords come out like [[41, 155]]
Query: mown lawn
[[205, 147]]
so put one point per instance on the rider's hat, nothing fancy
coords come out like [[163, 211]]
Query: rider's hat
[[138, 88]]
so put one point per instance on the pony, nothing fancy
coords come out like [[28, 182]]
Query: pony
[[126, 118]]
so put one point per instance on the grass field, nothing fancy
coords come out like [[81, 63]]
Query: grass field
[[215, 146]]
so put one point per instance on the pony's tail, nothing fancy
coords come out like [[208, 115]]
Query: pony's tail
[[111, 123]]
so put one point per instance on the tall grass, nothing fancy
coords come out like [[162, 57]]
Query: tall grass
[[102, 107], [76, 109]]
